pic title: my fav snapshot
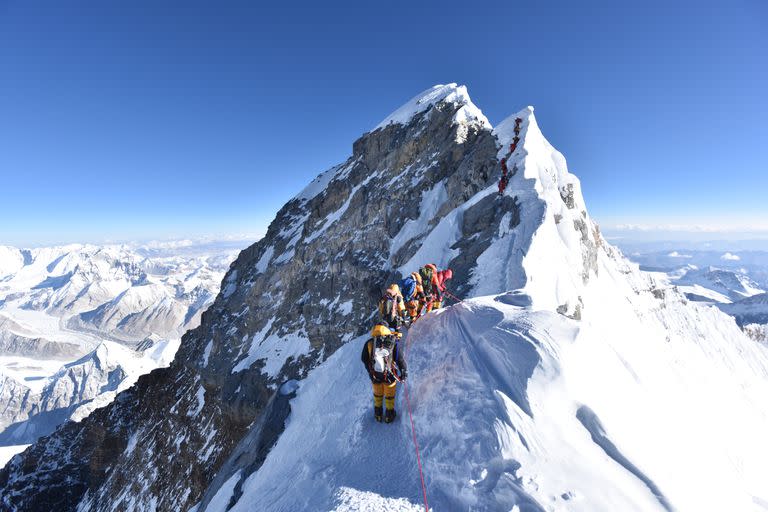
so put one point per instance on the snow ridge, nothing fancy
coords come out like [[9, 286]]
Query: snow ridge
[[451, 93]]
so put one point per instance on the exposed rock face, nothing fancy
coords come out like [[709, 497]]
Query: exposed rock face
[[309, 284], [287, 303]]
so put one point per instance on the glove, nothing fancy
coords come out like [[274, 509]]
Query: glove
[[403, 376]]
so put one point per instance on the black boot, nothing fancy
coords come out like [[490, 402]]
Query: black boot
[[377, 412], [390, 417]]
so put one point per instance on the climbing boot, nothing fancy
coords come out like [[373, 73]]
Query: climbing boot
[[377, 413], [390, 417]]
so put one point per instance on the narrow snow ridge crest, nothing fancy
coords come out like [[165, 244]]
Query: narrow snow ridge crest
[[453, 93]]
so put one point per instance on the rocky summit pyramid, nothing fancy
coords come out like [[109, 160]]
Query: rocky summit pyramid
[[566, 379]]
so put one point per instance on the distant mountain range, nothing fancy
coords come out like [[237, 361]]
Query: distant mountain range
[[734, 281], [79, 323]]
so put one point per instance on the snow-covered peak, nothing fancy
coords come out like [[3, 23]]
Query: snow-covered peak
[[543, 162], [452, 93], [551, 252], [11, 260]]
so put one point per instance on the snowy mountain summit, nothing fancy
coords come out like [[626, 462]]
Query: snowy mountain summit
[[566, 379]]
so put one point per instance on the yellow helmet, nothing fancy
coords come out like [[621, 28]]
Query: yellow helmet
[[393, 289], [380, 330]]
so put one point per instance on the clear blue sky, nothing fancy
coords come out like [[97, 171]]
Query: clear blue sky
[[144, 119]]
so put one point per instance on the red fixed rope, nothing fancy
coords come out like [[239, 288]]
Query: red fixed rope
[[416, 444], [452, 296], [413, 430]]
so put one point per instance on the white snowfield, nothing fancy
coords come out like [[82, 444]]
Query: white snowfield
[[80, 323], [648, 402]]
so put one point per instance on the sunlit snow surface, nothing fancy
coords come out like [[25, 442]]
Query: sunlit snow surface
[[496, 389], [648, 402]]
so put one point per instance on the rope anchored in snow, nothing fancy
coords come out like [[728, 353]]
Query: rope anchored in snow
[[413, 428], [416, 445]]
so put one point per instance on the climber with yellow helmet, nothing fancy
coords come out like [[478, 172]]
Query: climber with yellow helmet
[[385, 365], [392, 307]]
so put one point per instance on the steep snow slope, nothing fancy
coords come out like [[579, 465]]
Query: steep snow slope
[[507, 400], [568, 380], [517, 405]]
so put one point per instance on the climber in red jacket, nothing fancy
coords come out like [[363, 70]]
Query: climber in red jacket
[[440, 278], [503, 183]]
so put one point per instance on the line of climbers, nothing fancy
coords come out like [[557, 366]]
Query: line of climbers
[[402, 304], [512, 147]]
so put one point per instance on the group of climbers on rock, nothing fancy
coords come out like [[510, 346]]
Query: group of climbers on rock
[[505, 175], [402, 304]]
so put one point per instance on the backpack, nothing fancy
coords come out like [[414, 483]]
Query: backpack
[[408, 287], [388, 308], [426, 273], [383, 356]]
